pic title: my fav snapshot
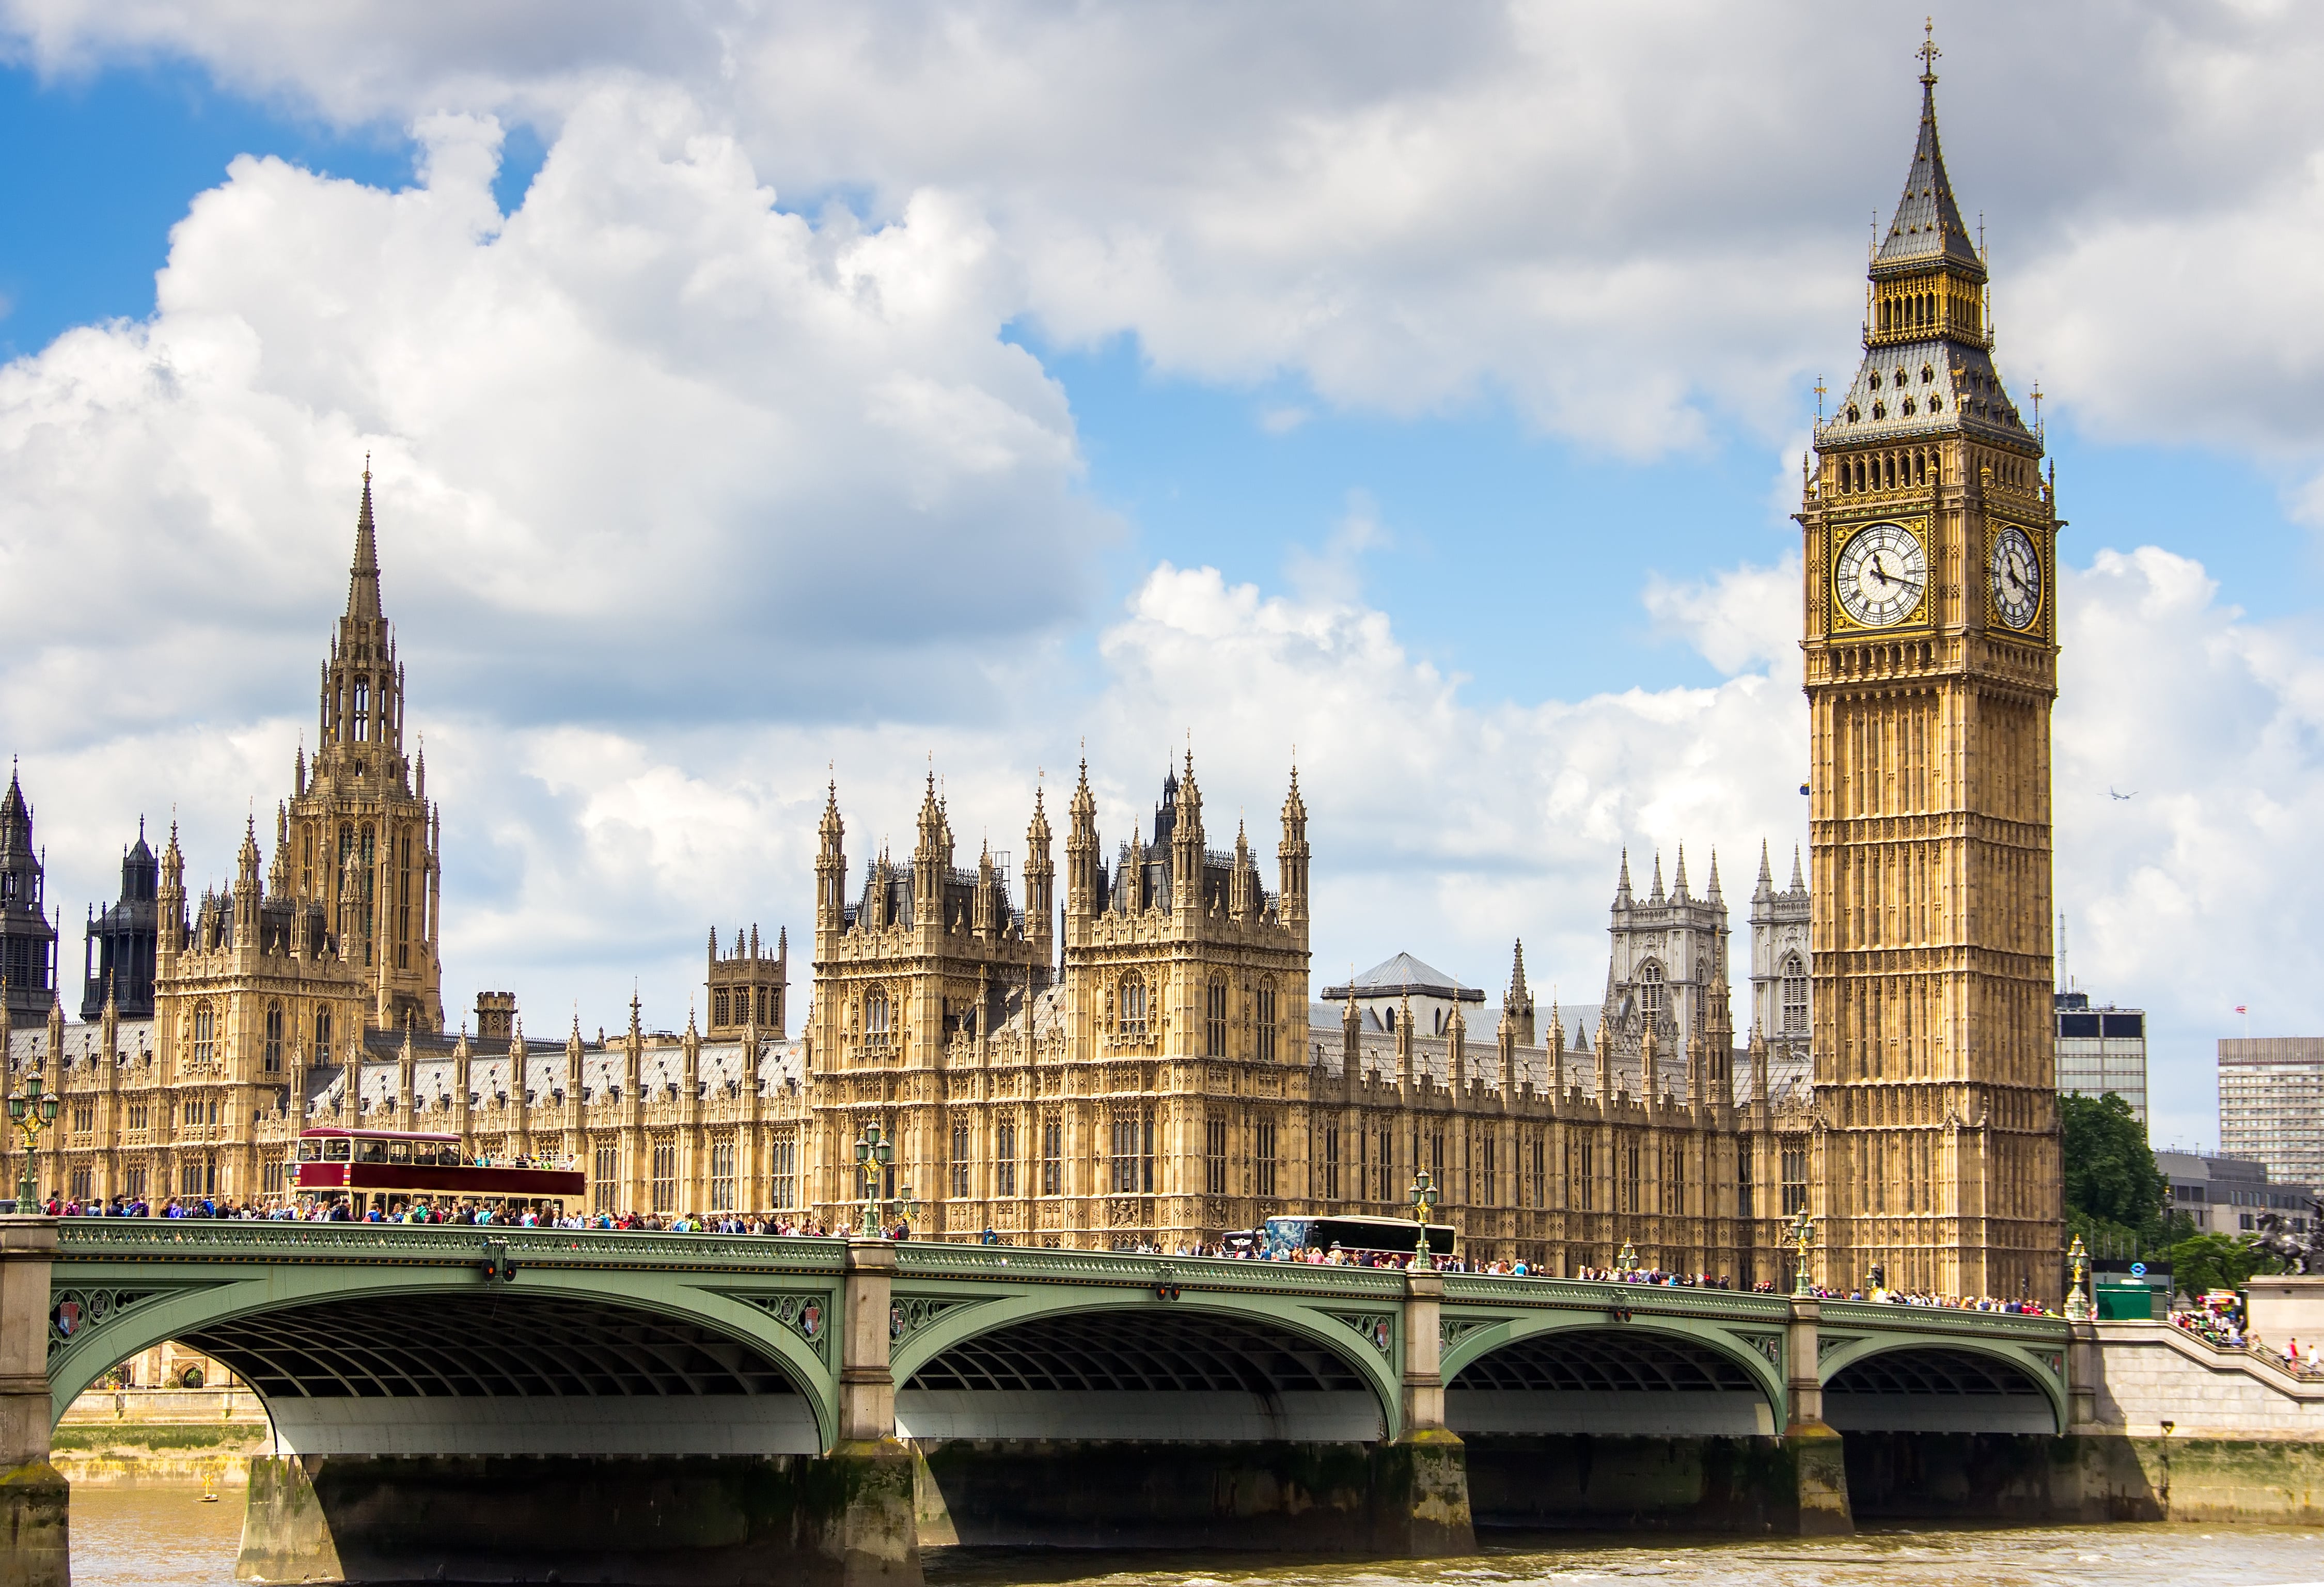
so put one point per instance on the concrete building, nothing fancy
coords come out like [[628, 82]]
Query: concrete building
[[2271, 1103], [2227, 1195], [2101, 1050]]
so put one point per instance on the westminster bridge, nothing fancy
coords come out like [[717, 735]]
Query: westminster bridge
[[459, 1403]]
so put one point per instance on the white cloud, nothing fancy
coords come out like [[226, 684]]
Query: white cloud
[[644, 446], [1634, 222]]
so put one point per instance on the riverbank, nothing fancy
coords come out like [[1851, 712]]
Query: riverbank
[[144, 1438]]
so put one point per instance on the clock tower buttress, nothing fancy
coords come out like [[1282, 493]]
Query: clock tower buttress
[[1931, 665]]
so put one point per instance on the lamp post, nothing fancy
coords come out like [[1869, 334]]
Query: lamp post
[[906, 1207], [1424, 1202], [1626, 1260], [31, 1112], [874, 1152], [2077, 1303], [1801, 1231]]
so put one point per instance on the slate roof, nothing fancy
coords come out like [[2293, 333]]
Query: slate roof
[[1404, 976]]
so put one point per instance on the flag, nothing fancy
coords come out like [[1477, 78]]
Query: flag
[[2241, 1009]]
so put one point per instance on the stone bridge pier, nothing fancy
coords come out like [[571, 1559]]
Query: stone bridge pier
[[33, 1535]]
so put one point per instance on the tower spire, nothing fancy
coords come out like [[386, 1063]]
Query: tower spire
[[362, 579]]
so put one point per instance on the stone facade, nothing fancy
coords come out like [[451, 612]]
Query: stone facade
[[1930, 662]]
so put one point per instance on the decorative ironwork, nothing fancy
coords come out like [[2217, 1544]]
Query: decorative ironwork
[[1770, 1346], [1452, 1330], [805, 1312], [908, 1316], [1376, 1329]]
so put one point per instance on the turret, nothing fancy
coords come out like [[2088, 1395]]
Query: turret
[[1083, 895], [931, 861], [1186, 847], [831, 866], [246, 889], [1292, 857], [1517, 1004], [1040, 884]]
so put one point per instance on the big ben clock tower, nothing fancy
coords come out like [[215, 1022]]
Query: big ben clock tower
[[1930, 663]]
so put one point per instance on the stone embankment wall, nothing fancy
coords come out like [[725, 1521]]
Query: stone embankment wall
[[112, 1438]]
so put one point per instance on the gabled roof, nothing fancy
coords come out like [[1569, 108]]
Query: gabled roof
[[1405, 976]]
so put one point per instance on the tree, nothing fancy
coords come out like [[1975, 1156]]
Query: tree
[[2114, 1190], [2216, 1261]]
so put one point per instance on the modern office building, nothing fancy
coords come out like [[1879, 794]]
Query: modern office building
[[2101, 1049], [2272, 1104], [2228, 1195]]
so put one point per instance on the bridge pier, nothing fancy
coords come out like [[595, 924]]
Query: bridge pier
[[872, 1532], [1819, 1466], [1420, 1482], [33, 1498]]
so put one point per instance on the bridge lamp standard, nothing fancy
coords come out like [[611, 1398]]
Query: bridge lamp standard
[[32, 1112], [1626, 1260], [1801, 1232], [1424, 1198], [874, 1152], [2078, 1300]]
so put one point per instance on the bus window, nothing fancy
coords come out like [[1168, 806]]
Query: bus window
[[398, 1151], [371, 1151], [335, 1149], [447, 1157], [308, 1151]]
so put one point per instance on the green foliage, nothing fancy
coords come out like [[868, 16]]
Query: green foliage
[[2215, 1261], [2114, 1190]]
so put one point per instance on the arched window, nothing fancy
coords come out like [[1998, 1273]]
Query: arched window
[[1215, 1017], [1266, 1017], [718, 1008], [273, 1054], [878, 1017], [205, 1035], [1133, 1005], [1795, 996], [1650, 989], [322, 1035], [362, 709]]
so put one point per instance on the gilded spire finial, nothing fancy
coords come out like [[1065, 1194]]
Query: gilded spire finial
[[1928, 51]]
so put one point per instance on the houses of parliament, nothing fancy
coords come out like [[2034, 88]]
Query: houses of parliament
[[1131, 1051]]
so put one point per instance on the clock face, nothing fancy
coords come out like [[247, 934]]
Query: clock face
[[2016, 575], [1881, 574]]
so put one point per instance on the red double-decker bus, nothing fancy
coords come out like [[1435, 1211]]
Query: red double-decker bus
[[379, 1167]]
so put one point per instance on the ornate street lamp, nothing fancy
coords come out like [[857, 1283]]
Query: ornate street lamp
[[905, 1207], [1802, 1232], [31, 1112], [874, 1152], [1626, 1260], [1423, 1202], [2077, 1303]]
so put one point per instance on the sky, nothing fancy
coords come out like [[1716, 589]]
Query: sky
[[761, 397]]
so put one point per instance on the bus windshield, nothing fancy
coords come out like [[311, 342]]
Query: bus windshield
[[1288, 1234]]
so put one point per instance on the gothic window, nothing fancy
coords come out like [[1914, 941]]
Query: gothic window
[[1743, 1180], [1267, 1021], [1053, 1156], [1215, 1017], [1132, 1021], [1214, 1154], [1133, 1151], [363, 710], [665, 1176], [1389, 1189], [877, 1017], [1650, 990], [960, 1158], [1332, 1162], [307, 864], [1795, 996], [1487, 1166], [322, 1035], [205, 1035], [782, 1160], [1263, 1155], [722, 1175], [604, 1176], [273, 1054], [1627, 1154], [1004, 1157], [1796, 1175], [718, 1007]]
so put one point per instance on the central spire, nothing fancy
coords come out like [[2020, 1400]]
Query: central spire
[[1927, 225], [362, 579]]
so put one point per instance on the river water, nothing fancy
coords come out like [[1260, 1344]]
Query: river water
[[167, 1538]]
